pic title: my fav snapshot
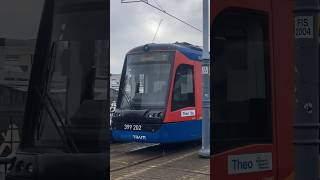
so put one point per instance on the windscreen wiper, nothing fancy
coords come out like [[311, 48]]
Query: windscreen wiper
[[64, 133], [45, 100], [66, 139], [127, 99]]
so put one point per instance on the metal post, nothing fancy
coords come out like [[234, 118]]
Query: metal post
[[205, 149], [306, 121]]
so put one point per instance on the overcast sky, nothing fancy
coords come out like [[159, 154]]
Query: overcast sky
[[131, 24], [19, 19], [135, 24]]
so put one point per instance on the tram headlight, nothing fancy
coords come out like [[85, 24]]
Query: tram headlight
[[30, 168], [20, 166], [11, 166], [160, 114], [146, 47], [24, 165], [116, 114], [156, 114]]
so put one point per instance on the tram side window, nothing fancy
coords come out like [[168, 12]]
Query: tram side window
[[241, 97], [183, 89]]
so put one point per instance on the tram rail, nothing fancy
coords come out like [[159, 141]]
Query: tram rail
[[133, 160]]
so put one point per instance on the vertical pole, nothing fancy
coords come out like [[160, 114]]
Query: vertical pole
[[11, 134], [205, 149], [306, 120]]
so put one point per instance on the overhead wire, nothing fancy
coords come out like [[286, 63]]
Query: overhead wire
[[158, 5], [163, 11]]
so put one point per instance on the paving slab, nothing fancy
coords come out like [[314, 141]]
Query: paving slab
[[184, 164]]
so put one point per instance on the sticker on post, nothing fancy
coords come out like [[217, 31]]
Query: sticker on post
[[188, 113], [205, 70], [303, 27], [248, 163]]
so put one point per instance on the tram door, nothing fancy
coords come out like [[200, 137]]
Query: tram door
[[250, 108]]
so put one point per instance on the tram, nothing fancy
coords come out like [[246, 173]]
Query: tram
[[64, 134], [160, 95], [253, 89]]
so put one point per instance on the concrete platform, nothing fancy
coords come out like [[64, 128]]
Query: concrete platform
[[178, 163]]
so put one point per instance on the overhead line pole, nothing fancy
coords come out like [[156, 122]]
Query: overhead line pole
[[205, 148], [306, 121]]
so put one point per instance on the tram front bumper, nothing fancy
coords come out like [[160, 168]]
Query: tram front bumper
[[167, 133]]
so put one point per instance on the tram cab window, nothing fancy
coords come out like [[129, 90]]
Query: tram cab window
[[241, 94], [145, 80], [183, 89], [77, 89]]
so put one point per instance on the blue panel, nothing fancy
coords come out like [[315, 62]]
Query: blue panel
[[168, 133], [191, 54]]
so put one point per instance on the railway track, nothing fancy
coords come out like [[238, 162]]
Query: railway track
[[130, 154], [135, 161], [117, 149]]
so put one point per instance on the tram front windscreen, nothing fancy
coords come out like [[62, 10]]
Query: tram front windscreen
[[146, 80], [73, 117], [73, 106]]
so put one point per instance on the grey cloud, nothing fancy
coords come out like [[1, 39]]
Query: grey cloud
[[129, 26], [20, 19]]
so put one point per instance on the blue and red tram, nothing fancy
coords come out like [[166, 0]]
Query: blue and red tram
[[160, 95]]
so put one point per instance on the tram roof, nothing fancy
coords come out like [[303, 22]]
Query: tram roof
[[191, 51]]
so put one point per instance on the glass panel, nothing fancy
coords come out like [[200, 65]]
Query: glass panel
[[75, 81], [183, 90], [75, 105], [19, 23], [146, 80], [241, 97]]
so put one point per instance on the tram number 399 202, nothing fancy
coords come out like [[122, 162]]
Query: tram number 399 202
[[132, 127]]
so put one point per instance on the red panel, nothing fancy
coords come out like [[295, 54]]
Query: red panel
[[198, 89], [281, 57], [217, 6], [283, 74], [175, 116], [219, 164]]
